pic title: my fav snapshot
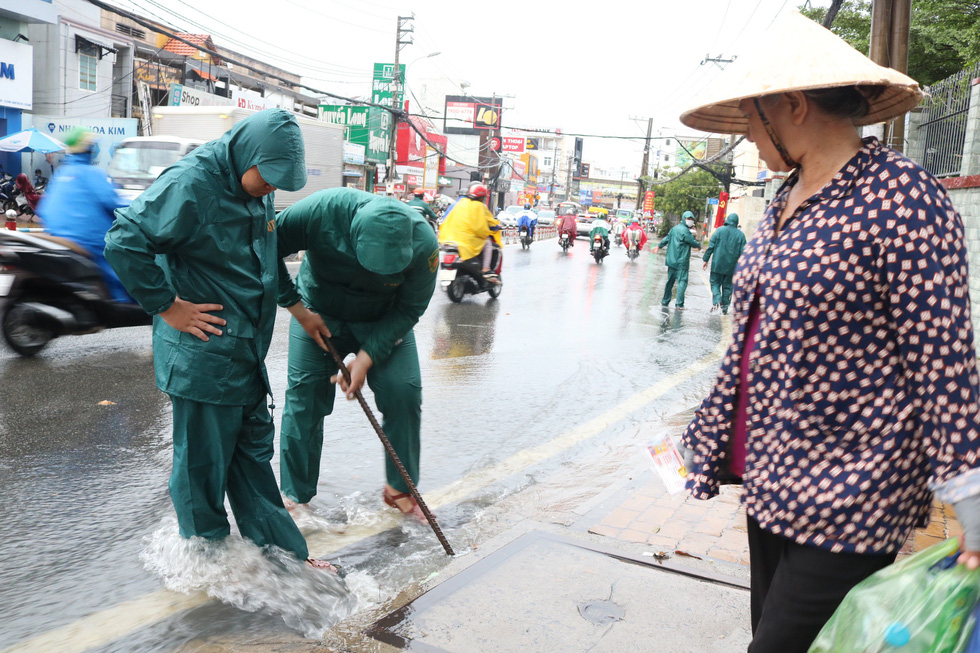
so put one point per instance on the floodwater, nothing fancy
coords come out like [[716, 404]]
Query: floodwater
[[91, 556]]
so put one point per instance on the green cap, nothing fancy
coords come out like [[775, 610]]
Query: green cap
[[79, 140], [382, 235], [688, 214]]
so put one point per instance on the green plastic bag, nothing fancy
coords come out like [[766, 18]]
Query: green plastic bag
[[922, 604]]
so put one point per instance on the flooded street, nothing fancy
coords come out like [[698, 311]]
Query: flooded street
[[569, 361]]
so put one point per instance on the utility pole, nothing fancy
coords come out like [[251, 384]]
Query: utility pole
[[396, 101], [554, 172], [889, 46], [641, 184]]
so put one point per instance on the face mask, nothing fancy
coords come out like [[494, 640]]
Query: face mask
[[690, 224]]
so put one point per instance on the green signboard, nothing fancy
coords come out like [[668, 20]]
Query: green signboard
[[379, 120], [365, 126]]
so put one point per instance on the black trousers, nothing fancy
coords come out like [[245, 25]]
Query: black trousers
[[796, 588]]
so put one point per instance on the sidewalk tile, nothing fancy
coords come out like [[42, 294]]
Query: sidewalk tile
[[620, 518]]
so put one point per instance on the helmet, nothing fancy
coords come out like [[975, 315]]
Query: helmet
[[477, 191], [419, 192], [527, 207], [79, 140]]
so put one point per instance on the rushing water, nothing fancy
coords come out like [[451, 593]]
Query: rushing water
[[88, 523]]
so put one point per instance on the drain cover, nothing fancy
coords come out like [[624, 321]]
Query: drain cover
[[601, 613]]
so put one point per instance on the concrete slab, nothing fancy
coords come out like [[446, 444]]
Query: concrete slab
[[548, 592]]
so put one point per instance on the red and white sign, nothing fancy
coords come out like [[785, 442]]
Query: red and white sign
[[722, 210], [514, 144], [460, 114], [648, 198], [494, 144]]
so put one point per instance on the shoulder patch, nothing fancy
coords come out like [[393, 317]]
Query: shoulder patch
[[434, 261]]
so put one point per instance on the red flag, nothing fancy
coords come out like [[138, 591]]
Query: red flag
[[722, 210]]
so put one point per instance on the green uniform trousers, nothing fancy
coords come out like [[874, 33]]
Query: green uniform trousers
[[721, 289], [680, 277], [219, 449], [397, 387]]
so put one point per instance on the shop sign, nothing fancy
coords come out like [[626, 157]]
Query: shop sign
[[157, 76], [445, 181], [184, 96], [109, 132], [471, 115], [353, 153], [251, 101], [16, 75], [354, 119], [379, 120], [515, 145]]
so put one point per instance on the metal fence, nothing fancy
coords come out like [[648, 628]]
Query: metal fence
[[120, 106], [942, 126]]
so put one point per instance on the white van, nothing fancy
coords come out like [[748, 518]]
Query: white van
[[138, 161]]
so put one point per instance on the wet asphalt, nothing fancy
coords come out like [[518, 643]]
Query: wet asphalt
[[84, 483]]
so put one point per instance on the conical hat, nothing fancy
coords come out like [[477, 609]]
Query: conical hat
[[799, 55]]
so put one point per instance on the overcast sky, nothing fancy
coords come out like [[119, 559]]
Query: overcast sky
[[602, 71]]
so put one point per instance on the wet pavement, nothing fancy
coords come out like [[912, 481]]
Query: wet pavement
[[537, 407]]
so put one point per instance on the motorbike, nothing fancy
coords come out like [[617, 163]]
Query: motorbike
[[599, 249], [564, 240], [633, 251], [50, 288], [525, 237], [460, 278], [8, 189], [618, 232]]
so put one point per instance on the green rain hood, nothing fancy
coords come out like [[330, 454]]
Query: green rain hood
[[726, 246], [679, 242], [196, 234], [370, 264]]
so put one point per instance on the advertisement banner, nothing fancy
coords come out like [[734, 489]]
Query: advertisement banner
[[185, 96], [109, 131], [648, 198], [514, 144], [355, 120], [251, 101], [16, 75], [722, 209], [353, 153], [379, 120], [471, 115]]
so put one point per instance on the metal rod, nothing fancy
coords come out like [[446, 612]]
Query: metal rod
[[391, 451]]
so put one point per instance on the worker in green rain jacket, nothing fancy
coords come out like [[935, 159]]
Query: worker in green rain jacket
[[367, 277], [726, 246], [678, 242], [198, 251]]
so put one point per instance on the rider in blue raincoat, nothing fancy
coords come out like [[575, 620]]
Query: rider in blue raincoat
[[79, 203], [528, 219]]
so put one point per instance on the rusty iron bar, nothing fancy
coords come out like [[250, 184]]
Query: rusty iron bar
[[391, 451]]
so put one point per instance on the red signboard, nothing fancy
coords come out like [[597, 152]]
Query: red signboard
[[722, 210], [512, 144], [648, 198], [495, 144]]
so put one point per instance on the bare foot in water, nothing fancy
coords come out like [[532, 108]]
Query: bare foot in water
[[292, 506], [322, 564]]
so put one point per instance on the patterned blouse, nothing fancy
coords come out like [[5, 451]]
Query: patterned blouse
[[863, 396]]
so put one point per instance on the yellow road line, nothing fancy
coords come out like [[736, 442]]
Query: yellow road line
[[103, 627]]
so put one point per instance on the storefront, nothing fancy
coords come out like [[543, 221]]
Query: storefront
[[16, 89], [354, 166]]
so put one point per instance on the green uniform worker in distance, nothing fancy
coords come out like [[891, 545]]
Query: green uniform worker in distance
[[678, 242], [367, 277], [198, 251], [726, 245], [418, 203]]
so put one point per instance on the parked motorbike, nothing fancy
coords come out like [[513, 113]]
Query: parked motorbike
[[460, 278], [525, 237], [564, 240], [40, 181], [8, 189], [50, 288], [599, 249]]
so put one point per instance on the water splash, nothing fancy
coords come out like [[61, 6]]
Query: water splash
[[237, 572]]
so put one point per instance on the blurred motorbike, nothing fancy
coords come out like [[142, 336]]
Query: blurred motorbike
[[460, 278], [599, 248], [50, 288], [564, 240], [525, 236], [633, 250]]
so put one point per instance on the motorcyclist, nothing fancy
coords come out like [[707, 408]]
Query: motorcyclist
[[600, 226], [567, 225], [419, 204], [474, 230], [618, 228], [78, 205], [635, 233], [528, 219]]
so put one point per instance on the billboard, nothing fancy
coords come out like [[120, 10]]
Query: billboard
[[513, 144], [471, 115], [16, 75], [379, 120]]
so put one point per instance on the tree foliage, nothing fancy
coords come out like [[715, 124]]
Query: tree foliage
[[944, 36], [689, 192]]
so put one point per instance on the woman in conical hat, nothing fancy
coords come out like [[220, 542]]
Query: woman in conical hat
[[849, 395]]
